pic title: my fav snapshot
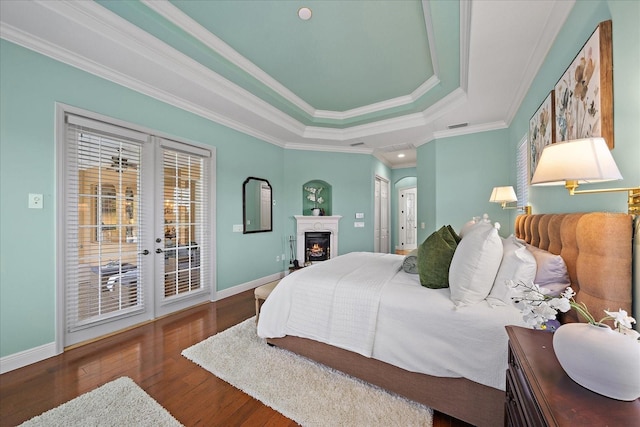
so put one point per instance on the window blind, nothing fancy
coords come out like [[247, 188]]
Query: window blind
[[522, 171], [186, 203]]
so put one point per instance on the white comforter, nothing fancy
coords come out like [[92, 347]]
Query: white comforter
[[389, 316]]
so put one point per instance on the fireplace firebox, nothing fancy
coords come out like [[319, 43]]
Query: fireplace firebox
[[317, 246]]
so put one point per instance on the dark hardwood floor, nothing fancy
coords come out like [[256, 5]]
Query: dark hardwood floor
[[150, 355]]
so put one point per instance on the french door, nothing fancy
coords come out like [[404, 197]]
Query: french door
[[136, 227]]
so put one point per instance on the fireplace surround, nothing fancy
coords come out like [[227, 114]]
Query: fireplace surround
[[316, 224]]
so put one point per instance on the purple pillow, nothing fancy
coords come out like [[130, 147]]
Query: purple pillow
[[551, 269]]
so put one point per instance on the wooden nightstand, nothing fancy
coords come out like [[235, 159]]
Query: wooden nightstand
[[539, 393]]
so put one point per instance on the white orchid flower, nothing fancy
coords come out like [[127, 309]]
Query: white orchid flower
[[621, 318], [561, 304], [568, 293]]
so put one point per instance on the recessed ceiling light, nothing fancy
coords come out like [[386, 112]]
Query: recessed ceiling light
[[401, 155], [304, 13]]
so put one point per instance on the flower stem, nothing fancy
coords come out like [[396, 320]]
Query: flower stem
[[582, 310]]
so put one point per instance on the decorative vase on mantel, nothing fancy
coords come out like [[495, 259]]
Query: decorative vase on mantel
[[315, 211], [600, 359]]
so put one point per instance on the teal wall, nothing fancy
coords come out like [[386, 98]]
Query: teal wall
[[584, 18], [461, 171], [31, 84], [351, 178]]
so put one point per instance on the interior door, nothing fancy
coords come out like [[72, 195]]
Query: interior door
[[376, 215], [381, 215], [265, 206], [407, 227]]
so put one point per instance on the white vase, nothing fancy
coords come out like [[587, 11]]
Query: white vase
[[315, 211], [599, 359]]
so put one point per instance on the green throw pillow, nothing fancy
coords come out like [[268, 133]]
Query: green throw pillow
[[454, 234], [434, 257]]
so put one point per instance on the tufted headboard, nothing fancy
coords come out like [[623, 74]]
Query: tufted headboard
[[597, 248]]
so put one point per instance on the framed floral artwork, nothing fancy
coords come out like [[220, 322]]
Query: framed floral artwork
[[584, 93], [541, 131]]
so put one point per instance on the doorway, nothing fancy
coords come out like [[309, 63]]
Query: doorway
[[134, 235]]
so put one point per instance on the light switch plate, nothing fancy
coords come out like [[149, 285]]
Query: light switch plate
[[35, 201]]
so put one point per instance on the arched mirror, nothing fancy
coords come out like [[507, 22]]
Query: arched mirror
[[256, 205]]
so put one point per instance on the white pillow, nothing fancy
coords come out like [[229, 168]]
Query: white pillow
[[476, 220], [518, 264], [551, 269], [475, 264]]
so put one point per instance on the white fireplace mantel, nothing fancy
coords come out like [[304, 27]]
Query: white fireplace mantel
[[306, 223]]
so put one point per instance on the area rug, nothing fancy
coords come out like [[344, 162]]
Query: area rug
[[307, 392], [117, 403]]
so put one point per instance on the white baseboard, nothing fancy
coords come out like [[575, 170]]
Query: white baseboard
[[248, 285], [27, 357], [37, 354]]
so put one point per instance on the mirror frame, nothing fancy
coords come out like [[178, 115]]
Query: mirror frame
[[244, 206]]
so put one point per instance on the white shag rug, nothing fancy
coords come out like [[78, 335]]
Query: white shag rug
[[118, 403], [307, 392]]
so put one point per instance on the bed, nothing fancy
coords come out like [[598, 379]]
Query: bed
[[376, 338]]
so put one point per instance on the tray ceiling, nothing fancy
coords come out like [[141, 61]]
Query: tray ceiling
[[360, 76]]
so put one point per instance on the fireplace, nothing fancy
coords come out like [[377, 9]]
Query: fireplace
[[327, 245], [317, 246]]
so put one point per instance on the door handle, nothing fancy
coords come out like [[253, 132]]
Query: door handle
[[145, 252], [159, 251]]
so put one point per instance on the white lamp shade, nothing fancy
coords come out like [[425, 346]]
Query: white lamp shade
[[503, 195], [583, 160]]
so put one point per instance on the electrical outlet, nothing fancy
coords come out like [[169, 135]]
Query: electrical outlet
[[237, 228], [358, 224], [35, 201], [278, 258]]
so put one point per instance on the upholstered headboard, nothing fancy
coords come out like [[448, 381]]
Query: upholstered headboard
[[597, 248]]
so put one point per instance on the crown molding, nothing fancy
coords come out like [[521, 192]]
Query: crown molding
[[174, 15], [400, 101], [328, 148], [446, 104]]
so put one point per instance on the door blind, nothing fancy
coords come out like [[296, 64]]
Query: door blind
[[103, 222], [186, 203]]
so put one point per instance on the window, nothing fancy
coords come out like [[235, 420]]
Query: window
[[522, 172]]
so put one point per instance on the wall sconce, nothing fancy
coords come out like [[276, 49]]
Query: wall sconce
[[582, 161], [504, 195]]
